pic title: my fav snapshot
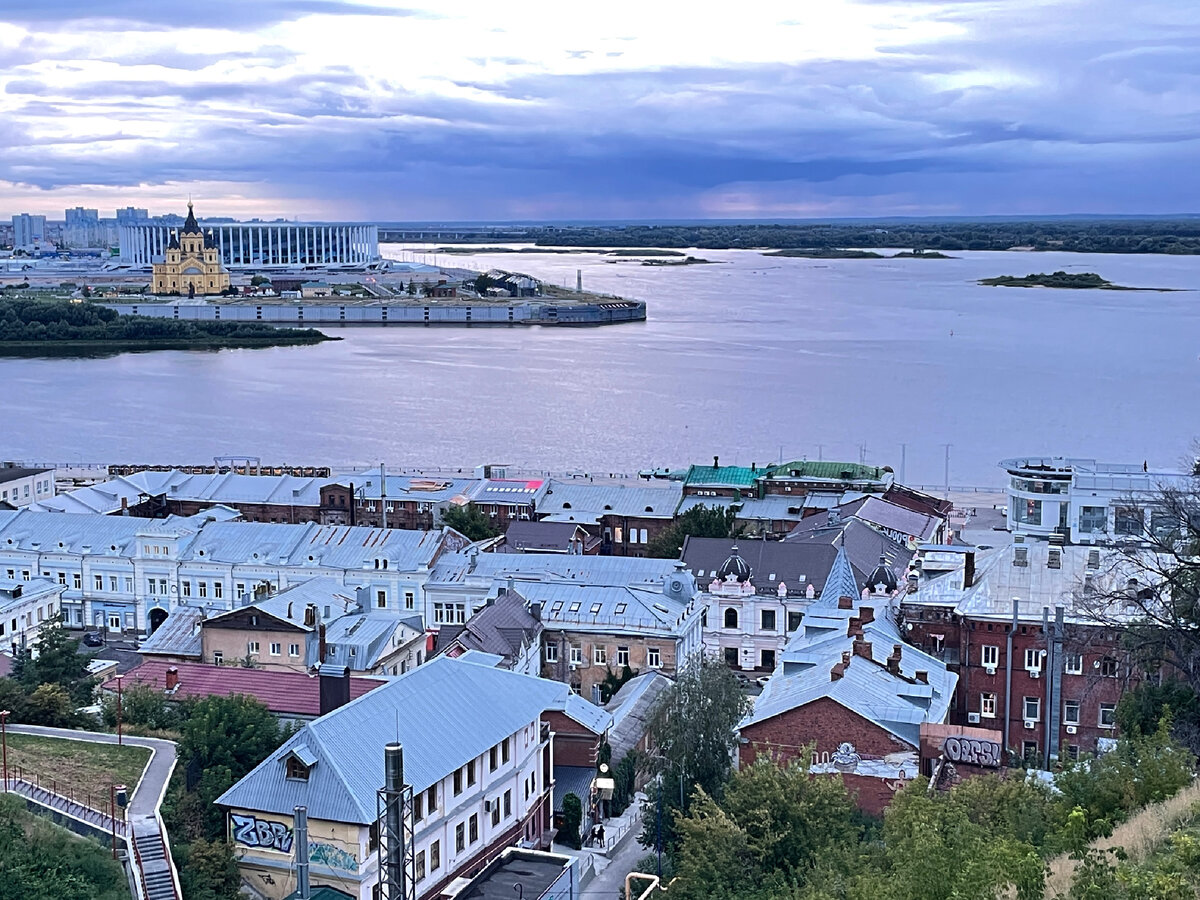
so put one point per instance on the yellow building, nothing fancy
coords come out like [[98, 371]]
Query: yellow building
[[193, 263]]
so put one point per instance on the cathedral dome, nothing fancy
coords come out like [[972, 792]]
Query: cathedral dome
[[883, 578], [736, 566], [191, 226]]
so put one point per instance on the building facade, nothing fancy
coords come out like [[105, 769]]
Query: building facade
[[21, 486], [191, 264], [253, 245], [24, 607]]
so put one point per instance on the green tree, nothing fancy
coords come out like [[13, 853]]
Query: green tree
[[1141, 709], [572, 818], [613, 682], [141, 705], [715, 858], [236, 732], [50, 704], [208, 871], [257, 280], [58, 662], [470, 522], [699, 521], [694, 741]]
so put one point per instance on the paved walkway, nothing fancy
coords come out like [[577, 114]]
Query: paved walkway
[[149, 836], [618, 859]]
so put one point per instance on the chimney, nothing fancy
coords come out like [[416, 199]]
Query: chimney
[[310, 615], [922, 676], [172, 679], [854, 627], [535, 610], [125, 503], [321, 643], [845, 602], [867, 614], [893, 661], [839, 669], [969, 569], [334, 683], [862, 648]]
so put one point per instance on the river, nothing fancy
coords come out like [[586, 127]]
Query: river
[[750, 358]]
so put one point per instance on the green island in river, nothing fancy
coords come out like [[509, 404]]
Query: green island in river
[[1069, 280], [73, 328], [840, 253]]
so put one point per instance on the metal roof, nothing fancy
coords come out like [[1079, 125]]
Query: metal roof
[[841, 581], [359, 640], [179, 635], [632, 706], [723, 476], [609, 608], [611, 570], [592, 717], [444, 713], [827, 470], [567, 497], [12, 473]]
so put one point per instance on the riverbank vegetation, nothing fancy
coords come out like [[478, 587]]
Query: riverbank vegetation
[[1066, 280], [1177, 236], [825, 253], [63, 326]]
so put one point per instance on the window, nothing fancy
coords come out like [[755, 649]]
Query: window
[[767, 620], [987, 705], [596, 607], [507, 804], [203, 588], [381, 599], [551, 653], [1109, 667], [185, 588], [151, 586], [99, 582], [435, 856], [1033, 659], [470, 773], [431, 800], [77, 580], [460, 837], [600, 656], [1032, 708], [576, 655], [504, 750], [251, 647], [793, 621], [128, 584], [409, 600], [419, 865], [622, 656], [731, 618], [293, 649], [458, 782], [218, 658], [1074, 664], [1026, 512], [496, 811], [418, 806], [240, 589], [1029, 750], [162, 586], [276, 649], [1108, 715], [473, 827], [990, 656], [217, 589], [621, 607], [653, 660], [296, 769], [1128, 520], [1071, 712], [493, 758], [574, 607]]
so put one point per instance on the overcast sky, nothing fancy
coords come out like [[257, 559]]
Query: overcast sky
[[618, 110]]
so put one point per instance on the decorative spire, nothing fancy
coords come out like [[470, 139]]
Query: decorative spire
[[191, 226], [840, 582]]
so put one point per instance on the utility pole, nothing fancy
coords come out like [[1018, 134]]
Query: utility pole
[[947, 494], [383, 492], [820, 452], [903, 456]]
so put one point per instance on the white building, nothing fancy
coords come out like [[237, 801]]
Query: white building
[[29, 231], [1085, 501], [477, 757], [24, 606], [22, 487], [126, 574], [256, 245]]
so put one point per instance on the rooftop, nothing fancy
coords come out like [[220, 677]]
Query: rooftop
[[828, 470], [723, 476], [580, 502], [12, 473], [179, 635], [517, 873]]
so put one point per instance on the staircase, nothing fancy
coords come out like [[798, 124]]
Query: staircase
[[158, 883]]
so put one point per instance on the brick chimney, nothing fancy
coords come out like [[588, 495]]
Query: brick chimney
[[854, 627], [862, 648], [172, 679], [839, 669], [334, 685], [845, 602], [922, 676], [893, 661], [969, 569], [867, 614]]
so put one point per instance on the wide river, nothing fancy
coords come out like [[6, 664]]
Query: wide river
[[750, 359]]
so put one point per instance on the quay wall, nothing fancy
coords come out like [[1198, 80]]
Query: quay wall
[[607, 312]]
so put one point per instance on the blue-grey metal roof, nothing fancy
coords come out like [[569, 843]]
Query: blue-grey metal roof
[[611, 570], [841, 581], [26, 529], [444, 713], [592, 717], [419, 488], [179, 635], [575, 780], [368, 635], [566, 497], [609, 609], [329, 546]]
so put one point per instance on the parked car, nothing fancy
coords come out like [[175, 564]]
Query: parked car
[[93, 639], [762, 680]]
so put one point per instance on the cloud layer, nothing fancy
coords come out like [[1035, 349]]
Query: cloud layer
[[473, 110]]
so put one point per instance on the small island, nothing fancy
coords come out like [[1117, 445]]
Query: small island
[[1068, 280], [686, 261], [825, 253], [644, 251], [922, 254], [36, 327]]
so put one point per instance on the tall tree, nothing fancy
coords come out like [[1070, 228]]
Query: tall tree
[[699, 521], [470, 522]]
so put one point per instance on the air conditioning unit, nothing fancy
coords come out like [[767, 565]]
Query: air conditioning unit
[[1030, 724], [1035, 673], [991, 670], [1071, 729], [973, 718]]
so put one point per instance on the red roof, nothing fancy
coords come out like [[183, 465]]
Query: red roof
[[283, 693]]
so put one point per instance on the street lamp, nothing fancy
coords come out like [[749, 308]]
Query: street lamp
[[119, 677], [4, 714]]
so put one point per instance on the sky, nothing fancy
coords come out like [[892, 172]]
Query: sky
[[493, 111]]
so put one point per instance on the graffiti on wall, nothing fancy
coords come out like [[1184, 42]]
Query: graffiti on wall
[[333, 857], [250, 831]]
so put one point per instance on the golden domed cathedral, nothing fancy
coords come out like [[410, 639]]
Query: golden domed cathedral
[[193, 264]]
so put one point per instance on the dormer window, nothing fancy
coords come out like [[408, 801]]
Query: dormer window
[[296, 770]]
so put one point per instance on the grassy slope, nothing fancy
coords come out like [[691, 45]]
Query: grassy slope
[[76, 768]]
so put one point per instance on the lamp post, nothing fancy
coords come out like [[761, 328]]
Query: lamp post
[[4, 714], [119, 677]]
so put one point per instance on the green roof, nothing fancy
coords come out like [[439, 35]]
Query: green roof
[[826, 470], [323, 893], [724, 476]]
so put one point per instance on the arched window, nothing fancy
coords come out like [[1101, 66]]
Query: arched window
[[731, 618]]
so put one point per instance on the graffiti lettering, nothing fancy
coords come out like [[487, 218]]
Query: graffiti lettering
[[334, 857], [972, 751], [254, 832]]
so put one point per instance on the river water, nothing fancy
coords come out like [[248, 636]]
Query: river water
[[751, 358]]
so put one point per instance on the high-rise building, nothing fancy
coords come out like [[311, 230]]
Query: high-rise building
[[129, 215], [82, 218], [28, 230]]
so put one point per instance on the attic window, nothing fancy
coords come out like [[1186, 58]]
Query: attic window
[[296, 770], [595, 608], [607, 506], [1093, 560], [649, 509], [1021, 556], [566, 506], [557, 607], [621, 609], [574, 607], [771, 577]]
